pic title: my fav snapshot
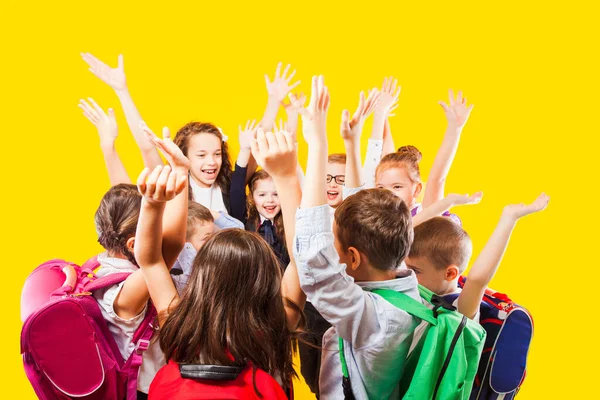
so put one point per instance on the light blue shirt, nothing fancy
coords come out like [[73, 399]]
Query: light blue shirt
[[377, 335]]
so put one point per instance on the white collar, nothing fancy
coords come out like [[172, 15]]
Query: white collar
[[117, 263]]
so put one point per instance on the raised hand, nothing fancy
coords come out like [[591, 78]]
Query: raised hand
[[463, 199], [275, 153], [388, 99], [170, 150], [314, 117], [292, 109], [517, 211], [162, 184], [105, 123], [280, 86], [247, 134], [113, 77], [457, 113], [352, 128]]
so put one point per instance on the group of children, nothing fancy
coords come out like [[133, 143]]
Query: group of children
[[240, 262]]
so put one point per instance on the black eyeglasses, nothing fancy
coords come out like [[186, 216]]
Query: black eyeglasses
[[339, 179]]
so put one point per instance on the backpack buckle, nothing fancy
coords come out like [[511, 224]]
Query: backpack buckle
[[439, 302], [141, 346]]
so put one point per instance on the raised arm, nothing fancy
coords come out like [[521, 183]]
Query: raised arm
[[388, 140], [175, 214], [351, 130], [441, 206], [487, 263], [107, 130], [115, 78], [158, 187], [276, 153], [457, 114], [381, 138], [277, 90], [239, 178]]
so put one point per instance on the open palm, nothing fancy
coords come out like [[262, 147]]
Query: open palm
[[457, 112], [113, 77]]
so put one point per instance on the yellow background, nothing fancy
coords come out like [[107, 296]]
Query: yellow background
[[530, 68]]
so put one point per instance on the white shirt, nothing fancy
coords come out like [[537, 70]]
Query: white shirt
[[372, 159], [211, 198], [124, 329]]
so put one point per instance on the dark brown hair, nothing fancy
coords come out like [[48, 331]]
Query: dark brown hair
[[197, 214], [117, 217], [376, 223], [253, 217], [182, 139], [443, 242], [406, 157], [232, 310], [337, 158]]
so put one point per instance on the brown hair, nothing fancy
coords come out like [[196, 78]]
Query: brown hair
[[117, 217], [376, 223], [253, 217], [443, 242], [232, 310], [406, 157], [197, 214], [337, 158], [182, 139]]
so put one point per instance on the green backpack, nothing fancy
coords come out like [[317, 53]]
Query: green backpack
[[443, 364]]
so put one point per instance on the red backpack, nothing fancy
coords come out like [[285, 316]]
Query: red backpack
[[198, 382]]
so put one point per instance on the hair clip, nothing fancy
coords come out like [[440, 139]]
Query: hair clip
[[225, 137]]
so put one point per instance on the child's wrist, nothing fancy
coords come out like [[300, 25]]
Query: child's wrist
[[454, 128]]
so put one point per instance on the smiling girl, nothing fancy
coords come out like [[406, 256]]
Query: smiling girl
[[264, 214]]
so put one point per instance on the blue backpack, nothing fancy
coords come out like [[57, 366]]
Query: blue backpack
[[509, 328]]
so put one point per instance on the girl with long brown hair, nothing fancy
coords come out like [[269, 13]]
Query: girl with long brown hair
[[233, 311]]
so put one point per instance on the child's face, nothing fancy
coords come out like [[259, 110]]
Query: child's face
[[204, 152], [266, 199], [427, 274], [334, 189], [202, 232], [397, 181]]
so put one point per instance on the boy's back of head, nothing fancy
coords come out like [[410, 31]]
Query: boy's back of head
[[443, 242], [378, 224], [200, 224]]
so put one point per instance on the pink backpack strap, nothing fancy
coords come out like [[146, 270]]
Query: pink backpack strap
[[141, 338], [105, 281]]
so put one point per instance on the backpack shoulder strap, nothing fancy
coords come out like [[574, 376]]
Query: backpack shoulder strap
[[408, 304], [401, 301], [106, 281]]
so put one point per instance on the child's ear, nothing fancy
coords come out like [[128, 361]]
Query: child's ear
[[354, 258], [452, 273], [130, 243], [418, 190]]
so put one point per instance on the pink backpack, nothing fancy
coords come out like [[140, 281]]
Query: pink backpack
[[68, 350]]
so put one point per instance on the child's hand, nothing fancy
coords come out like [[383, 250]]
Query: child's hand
[[113, 77], [457, 113], [463, 199], [388, 100], [280, 86], [275, 153], [292, 109], [162, 184], [247, 134], [314, 117], [352, 129], [517, 211], [106, 124], [170, 150]]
